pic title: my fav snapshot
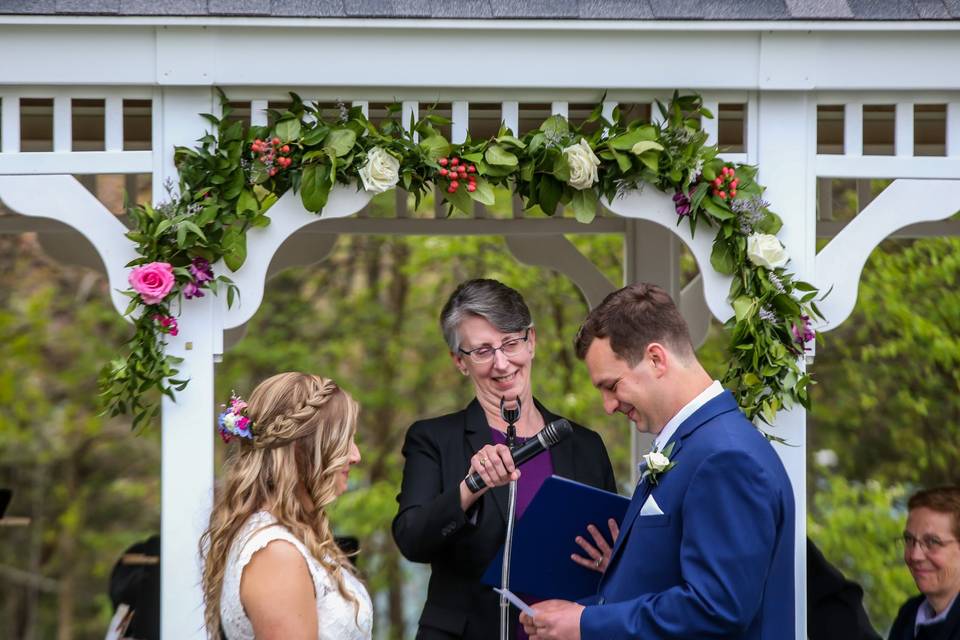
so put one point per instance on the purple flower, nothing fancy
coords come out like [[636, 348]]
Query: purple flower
[[201, 270], [191, 290], [804, 332], [681, 201]]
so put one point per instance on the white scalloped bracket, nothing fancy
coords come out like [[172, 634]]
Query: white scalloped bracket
[[840, 263], [655, 206], [64, 199], [287, 216]]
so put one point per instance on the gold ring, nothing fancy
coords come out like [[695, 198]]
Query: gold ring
[[599, 562], [483, 462]]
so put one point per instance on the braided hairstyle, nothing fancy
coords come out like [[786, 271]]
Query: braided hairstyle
[[303, 426]]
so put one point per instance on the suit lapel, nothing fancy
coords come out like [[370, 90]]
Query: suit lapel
[[478, 436], [720, 404]]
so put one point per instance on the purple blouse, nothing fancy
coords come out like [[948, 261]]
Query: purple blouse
[[534, 473]]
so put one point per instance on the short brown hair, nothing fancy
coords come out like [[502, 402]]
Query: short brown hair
[[633, 317], [940, 499]]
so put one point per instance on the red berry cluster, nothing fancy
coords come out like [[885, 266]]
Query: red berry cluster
[[457, 173], [725, 185], [273, 155]]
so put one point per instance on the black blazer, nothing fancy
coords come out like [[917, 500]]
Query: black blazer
[[903, 626], [431, 527]]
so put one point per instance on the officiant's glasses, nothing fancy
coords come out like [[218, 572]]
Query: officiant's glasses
[[928, 544], [486, 353]]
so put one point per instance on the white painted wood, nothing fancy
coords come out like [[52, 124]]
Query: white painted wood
[[712, 125], [834, 166], [693, 307], [460, 112], [788, 120], [657, 207], [953, 129], [62, 124], [410, 113], [558, 253], [903, 131], [9, 125], [287, 216], [840, 263], [63, 198], [608, 107], [560, 109], [853, 129], [113, 124], [82, 162], [751, 143], [510, 111], [186, 464], [258, 112], [364, 106]]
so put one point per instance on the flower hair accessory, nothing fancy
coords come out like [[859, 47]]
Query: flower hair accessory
[[232, 423]]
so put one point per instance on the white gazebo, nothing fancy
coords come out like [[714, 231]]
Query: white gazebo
[[807, 94]]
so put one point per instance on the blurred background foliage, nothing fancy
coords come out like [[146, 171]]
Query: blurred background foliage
[[886, 416]]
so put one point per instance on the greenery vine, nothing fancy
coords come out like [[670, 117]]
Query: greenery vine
[[228, 182]]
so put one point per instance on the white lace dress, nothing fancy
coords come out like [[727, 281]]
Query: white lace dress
[[335, 613]]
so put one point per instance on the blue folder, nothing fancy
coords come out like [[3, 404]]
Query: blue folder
[[544, 538]]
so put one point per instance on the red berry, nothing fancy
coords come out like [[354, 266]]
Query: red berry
[[454, 184], [472, 179], [273, 172], [718, 181], [716, 192], [444, 172], [442, 162], [285, 149], [451, 189], [723, 195], [734, 183], [472, 169], [471, 187], [454, 161], [733, 193], [276, 141]]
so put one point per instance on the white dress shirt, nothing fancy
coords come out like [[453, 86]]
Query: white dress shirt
[[688, 410]]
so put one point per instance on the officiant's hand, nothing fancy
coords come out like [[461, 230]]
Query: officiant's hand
[[598, 553], [553, 620]]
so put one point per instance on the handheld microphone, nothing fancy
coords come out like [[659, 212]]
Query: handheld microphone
[[545, 438]]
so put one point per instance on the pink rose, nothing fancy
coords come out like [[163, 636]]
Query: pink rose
[[152, 281]]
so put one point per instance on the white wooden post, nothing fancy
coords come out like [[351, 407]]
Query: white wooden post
[[787, 120], [187, 423]]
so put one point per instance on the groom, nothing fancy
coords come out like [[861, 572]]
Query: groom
[[706, 549]]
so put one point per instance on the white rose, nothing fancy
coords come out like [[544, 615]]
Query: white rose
[[583, 165], [764, 250], [382, 171], [656, 461]]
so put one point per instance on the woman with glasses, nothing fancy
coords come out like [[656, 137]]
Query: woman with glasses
[[931, 552], [492, 340]]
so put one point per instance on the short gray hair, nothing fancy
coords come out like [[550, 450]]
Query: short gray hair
[[491, 300]]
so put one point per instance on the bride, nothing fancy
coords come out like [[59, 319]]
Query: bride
[[271, 566]]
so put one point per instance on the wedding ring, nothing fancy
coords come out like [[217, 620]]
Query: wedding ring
[[483, 462], [599, 562]]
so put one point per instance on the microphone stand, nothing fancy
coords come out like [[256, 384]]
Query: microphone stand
[[510, 416]]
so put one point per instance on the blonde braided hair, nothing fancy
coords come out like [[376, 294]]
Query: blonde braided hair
[[303, 426]]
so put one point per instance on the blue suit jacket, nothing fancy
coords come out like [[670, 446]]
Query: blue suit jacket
[[719, 562]]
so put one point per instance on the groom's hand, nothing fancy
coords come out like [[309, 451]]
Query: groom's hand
[[553, 620], [598, 557]]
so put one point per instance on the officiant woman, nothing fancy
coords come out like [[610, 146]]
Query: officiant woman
[[492, 340]]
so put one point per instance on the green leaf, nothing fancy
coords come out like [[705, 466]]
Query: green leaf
[[743, 307], [315, 187], [584, 205], [461, 200], [721, 259], [561, 168], [315, 135], [644, 146], [247, 202], [623, 161], [651, 159], [340, 141], [435, 146], [484, 193], [288, 130], [497, 155], [555, 126], [550, 193], [716, 210], [234, 248], [626, 141]]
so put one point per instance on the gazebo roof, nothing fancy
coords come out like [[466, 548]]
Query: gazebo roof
[[712, 10]]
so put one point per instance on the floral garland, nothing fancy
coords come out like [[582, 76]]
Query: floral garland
[[228, 183]]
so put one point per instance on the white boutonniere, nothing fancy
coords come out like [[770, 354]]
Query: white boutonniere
[[656, 463]]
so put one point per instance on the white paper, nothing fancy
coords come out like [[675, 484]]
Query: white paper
[[517, 602]]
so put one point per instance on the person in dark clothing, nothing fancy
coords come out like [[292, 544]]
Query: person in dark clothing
[[931, 551], [136, 583], [834, 603]]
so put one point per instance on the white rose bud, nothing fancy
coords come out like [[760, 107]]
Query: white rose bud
[[764, 250], [230, 420], [382, 171], [583, 165], [656, 461]]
